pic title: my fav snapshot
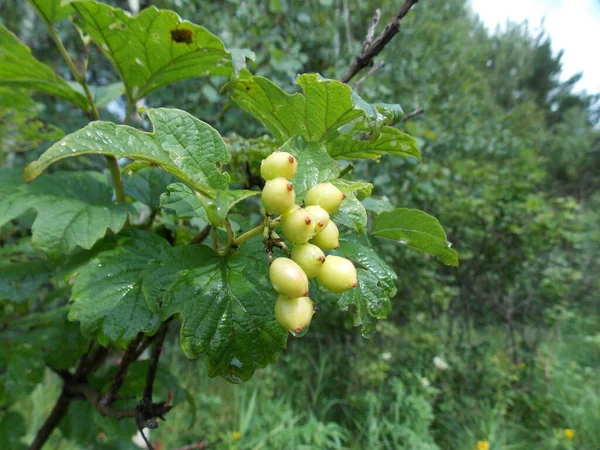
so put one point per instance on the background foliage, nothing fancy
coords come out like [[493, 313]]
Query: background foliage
[[503, 349]]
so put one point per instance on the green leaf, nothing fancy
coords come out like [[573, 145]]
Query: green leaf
[[181, 145], [218, 208], [352, 213], [21, 369], [19, 282], [391, 111], [417, 230], [20, 130], [18, 68], [147, 185], [185, 203], [226, 306], [73, 209], [378, 205], [154, 48], [15, 422], [182, 201], [359, 144], [51, 11], [103, 95], [367, 252], [314, 164], [325, 106], [60, 340], [376, 282], [107, 294]]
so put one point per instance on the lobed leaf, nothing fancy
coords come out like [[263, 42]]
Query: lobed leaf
[[181, 145], [314, 164], [417, 230], [19, 68], [226, 306], [22, 369], [352, 213], [51, 11], [376, 282], [359, 144], [324, 106], [73, 209], [61, 341], [154, 48], [147, 185], [107, 295], [21, 281]]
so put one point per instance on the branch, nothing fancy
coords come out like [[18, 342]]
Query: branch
[[131, 354], [372, 47], [153, 364], [146, 411], [58, 412], [87, 364], [202, 235], [371, 71], [412, 114]]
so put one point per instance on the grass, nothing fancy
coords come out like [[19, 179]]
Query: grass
[[327, 393]]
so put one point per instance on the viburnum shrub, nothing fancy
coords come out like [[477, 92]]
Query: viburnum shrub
[[98, 263]]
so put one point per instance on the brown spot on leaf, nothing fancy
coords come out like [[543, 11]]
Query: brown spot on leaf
[[184, 36]]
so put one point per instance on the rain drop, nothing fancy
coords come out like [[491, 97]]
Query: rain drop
[[403, 241], [368, 334], [236, 362], [301, 332], [233, 378]]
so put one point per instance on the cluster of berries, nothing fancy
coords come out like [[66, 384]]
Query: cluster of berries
[[311, 231]]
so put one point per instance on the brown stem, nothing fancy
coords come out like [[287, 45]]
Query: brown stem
[[87, 364], [412, 114], [373, 46], [58, 412], [130, 355], [199, 238], [153, 364]]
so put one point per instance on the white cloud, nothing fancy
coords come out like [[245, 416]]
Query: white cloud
[[573, 25]]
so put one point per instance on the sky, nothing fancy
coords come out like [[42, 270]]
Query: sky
[[573, 25]]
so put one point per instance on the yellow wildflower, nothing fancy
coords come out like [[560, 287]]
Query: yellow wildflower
[[482, 445], [569, 433], [236, 435]]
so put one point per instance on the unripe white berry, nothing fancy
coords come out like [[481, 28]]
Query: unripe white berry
[[338, 274], [328, 239], [321, 217], [298, 225], [309, 257], [326, 195], [288, 278], [278, 196], [278, 164], [294, 314]]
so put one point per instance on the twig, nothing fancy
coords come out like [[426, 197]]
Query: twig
[[87, 364], [371, 71], [130, 355], [58, 412], [199, 238], [345, 170], [153, 364], [372, 47], [412, 114]]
